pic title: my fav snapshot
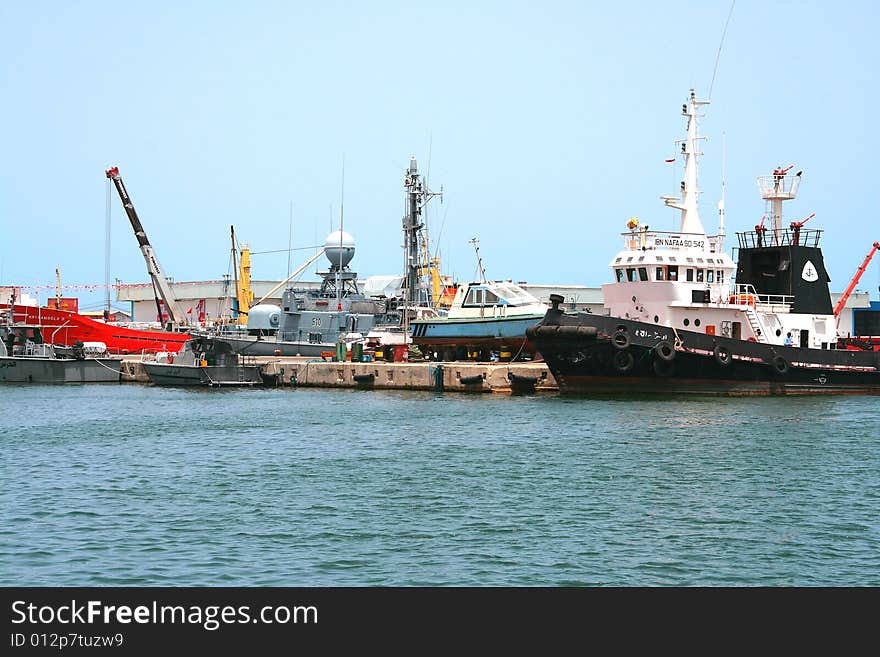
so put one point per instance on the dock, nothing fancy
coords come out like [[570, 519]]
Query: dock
[[455, 376]]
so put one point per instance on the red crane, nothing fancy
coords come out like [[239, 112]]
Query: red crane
[[855, 280]]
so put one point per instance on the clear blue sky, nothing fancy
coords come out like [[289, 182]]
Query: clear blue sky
[[548, 125]]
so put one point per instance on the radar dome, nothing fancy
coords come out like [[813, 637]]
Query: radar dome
[[264, 317], [339, 248]]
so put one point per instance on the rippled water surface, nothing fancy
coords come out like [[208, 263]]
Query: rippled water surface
[[136, 485]]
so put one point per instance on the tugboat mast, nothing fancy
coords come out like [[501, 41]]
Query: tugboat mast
[[775, 189], [688, 203]]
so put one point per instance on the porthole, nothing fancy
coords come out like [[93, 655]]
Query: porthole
[[696, 322], [656, 319], [778, 332], [686, 322]]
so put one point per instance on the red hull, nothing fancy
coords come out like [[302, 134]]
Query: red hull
[[64, 328]]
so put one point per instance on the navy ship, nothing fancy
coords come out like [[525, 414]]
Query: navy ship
[[311, 322], [674, 323]]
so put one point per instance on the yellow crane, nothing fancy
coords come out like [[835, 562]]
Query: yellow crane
[[243, 293], [438, 282]]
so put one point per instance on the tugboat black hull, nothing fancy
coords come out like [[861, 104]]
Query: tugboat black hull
[[590, 354]]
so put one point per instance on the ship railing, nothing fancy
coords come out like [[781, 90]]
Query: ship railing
[[779, 186], [757, 239], [744, 294], [41, 350], [645, 240]]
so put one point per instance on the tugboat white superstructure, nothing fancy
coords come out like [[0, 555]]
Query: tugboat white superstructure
[[675, 322]]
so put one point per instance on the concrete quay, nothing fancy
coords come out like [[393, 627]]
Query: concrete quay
[[458, 376]]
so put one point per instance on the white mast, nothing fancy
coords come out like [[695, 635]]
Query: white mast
[[690, 214], [778, 188], [721, 208]]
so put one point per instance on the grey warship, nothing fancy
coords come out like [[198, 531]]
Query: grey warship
[[310, 322]]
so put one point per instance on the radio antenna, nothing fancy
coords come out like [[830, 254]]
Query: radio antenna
[[720, 45]]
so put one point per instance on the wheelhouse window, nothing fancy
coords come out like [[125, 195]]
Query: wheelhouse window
[[719, 276], [643, 273], [710, 276], [490, 298], [474, 297], [690, 275], [661, 274], [672, 272], [620, 275], [631, 275], [699, 276]]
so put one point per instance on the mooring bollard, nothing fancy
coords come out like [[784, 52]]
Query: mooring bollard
[[438, 377]]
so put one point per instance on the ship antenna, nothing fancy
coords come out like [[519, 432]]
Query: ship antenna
[[442, 224], [341, 225], [720, 45], [721, 208], [107, 250], [290, 238], [476, 243]]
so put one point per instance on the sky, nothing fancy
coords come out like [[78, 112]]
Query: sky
[[547, 125]]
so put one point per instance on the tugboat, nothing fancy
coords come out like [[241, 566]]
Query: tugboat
[[674, 324]]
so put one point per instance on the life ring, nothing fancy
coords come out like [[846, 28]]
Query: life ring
[[664, 368], [620, 340], [665, 350], [623, 361], [780, 365], [722, 355]]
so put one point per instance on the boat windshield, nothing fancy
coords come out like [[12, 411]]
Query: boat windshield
[[498, 294], [513, 295]]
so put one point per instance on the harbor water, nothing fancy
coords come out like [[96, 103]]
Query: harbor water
[[138, 485]]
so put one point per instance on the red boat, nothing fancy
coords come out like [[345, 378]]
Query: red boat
[[62, 327]]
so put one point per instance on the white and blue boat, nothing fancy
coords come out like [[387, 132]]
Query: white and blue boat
[[484, 317]]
